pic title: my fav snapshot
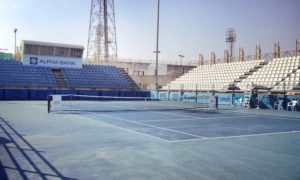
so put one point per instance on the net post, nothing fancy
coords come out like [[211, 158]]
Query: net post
[[217, 101], [145, 104], [213, 102], [71, 99], [48, 103]]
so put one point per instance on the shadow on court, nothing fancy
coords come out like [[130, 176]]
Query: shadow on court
[[22, 160], [147, 145]]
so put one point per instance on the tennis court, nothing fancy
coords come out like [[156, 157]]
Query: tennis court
[[174, 121], [127, 141], [187, 125]]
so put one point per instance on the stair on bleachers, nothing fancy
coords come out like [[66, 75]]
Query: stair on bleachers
[[59, 77], [296, 74], [250, 72], [277, 75], [282, 80], [292, 79], [128, 78]]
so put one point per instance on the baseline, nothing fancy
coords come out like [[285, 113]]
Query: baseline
[[239, 136]]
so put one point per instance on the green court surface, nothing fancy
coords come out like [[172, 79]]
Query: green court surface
[[178, 144]]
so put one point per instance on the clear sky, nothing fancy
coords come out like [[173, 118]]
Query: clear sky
[[187, 27]]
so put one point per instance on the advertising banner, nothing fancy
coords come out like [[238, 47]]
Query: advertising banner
[[224, 99], [163, 96], [52, 61], [189, 97], [175, 96]]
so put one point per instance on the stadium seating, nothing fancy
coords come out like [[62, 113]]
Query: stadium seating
[[280, 74], [15, 74], [211, 77], [95, 76]]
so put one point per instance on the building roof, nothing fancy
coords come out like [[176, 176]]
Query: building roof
[[52, 44]]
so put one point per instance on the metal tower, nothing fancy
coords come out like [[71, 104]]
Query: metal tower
[[258, 52], [226, 56], [213, 59], [297, 53], [231, 39], [241, 55], [102, 40], [276, 51]]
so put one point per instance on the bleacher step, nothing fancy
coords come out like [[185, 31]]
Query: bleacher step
[[263, 63], [243, 76], [59, 77], [248, 73], [238, 80]]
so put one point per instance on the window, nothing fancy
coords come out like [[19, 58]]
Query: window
[[47, 49], [138, 73], [61, 51], [43, 50], [76, 53], [28, 48], [35, 50], [31, 49], [50, 51]]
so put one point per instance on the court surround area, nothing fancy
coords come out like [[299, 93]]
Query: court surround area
[[166, 144]]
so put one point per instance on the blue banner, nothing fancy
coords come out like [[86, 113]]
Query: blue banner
[[224, 99], [175, 96], [203, 98], [236, 97], [163, 96], [153, 94], [189, 97]]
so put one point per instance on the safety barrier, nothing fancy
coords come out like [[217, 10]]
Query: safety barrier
[[227, 99]]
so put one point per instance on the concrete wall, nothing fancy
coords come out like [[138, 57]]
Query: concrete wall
[[148, 82], [144, 73], [177, 70]]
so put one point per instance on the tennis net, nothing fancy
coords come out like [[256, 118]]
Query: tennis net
[[87, 103]]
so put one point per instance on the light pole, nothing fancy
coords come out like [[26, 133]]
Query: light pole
[[181, 56], [15, 31], [157, 51]]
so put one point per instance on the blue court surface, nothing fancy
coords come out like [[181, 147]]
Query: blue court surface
[[189, 125], [165, 144]]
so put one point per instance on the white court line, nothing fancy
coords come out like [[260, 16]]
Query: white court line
[[194, 119], [150, 126], [164, 120], [131, 131], [201, 138], [153, 126], [238, 136], [268, 115]]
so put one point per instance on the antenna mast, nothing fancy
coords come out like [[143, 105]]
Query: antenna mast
[[231, 39], [102, 39]]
